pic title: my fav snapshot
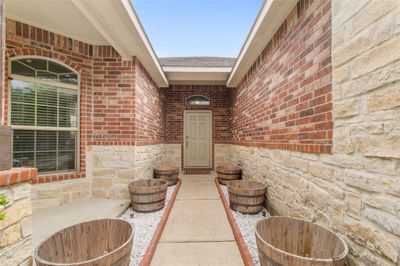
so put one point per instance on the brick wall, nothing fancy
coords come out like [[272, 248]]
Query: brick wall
[[176, 104], [285, 100], [355, 189], [113, 98], [120, 107], [149, 109]]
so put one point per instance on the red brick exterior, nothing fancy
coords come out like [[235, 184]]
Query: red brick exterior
[[26, 40], [285, 99], [176, 103], [149, 109], [113, 98], [128, 107]]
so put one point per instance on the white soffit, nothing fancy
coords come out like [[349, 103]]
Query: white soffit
[[57, 16], [198, 75], [101, 22], [269, 19]]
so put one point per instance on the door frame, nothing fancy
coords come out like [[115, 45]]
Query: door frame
[[185, 112]]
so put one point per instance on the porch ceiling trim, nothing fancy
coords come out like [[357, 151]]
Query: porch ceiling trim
[[198, 75], [270, 17]]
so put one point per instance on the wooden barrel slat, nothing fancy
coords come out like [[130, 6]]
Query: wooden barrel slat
[[148, 195], [228, 173], [167, 173], [246, 196], [98, 242], [292, 241]]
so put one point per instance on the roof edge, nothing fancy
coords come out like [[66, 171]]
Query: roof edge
[[269, 19]]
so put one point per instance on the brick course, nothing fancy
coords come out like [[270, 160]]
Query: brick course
[[285, 99]]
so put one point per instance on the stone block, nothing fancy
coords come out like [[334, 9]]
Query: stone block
[[300, 164], [373, 11], [17, 253], [80, 195], [16, 212], [342, 142], [50, 193], [385, 99], [76, 186], [379, 146], [372, 238], [26, 226], [347, 108], [21, 190], [389, 222], [104, 172], [101, 183], [354, 204], [322, 171], [376, 58], [10, 235]]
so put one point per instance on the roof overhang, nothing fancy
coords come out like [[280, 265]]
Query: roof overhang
[[269, 19], [198, 75], [112, 22]]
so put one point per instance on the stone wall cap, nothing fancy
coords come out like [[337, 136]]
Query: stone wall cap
[[17, 175]]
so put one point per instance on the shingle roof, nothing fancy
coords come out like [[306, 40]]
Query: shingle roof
[[197, 61]]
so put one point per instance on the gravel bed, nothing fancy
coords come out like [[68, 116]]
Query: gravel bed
[[144, 225], [247, 225]]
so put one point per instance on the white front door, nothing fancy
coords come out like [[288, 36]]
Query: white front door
[[197, 149]]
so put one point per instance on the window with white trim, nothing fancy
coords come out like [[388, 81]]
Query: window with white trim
[[44, 115]]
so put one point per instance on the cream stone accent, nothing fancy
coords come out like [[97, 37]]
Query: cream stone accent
[[16, 228], [172, 155], [222, 154], [346, 108]]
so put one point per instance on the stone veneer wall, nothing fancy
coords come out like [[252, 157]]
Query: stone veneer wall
[[16, 228], [355, 190]]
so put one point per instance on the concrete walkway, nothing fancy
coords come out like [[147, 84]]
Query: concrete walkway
[[197, 231]]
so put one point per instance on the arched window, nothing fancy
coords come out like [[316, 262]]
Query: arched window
[[44, 115], [198, 100]]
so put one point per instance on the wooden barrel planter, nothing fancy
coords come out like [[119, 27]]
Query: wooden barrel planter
[[246, 196], [148, 195], [292, 241], [228, 173], [167, 173], [98, 242]]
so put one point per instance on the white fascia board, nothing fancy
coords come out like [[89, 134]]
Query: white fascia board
[[117, 21], [162, 80], [198, 69], [269, 19]]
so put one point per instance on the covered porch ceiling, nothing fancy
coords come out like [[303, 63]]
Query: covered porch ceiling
[[105, 22]]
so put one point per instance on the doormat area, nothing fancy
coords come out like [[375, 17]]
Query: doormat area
[[197, 171]]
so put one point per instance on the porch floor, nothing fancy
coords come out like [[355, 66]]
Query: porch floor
[[47, 221], [197, 231]]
